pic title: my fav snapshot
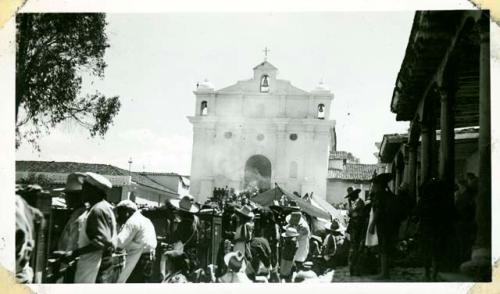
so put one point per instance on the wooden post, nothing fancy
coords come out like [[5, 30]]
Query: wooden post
[[447, 142], [480, 264], [412, 170]]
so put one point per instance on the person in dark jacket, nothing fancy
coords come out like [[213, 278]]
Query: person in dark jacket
[[384, 219], [355, 228], [435, 211]]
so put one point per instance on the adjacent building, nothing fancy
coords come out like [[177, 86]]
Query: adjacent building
[[444, 84], [345, 171], [126, 185]]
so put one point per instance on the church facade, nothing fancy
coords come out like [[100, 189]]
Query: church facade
[[259, 132]]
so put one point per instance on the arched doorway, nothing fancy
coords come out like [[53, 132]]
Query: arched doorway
[[258, 173]]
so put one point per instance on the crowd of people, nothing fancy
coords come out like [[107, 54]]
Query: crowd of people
[[106, 243]]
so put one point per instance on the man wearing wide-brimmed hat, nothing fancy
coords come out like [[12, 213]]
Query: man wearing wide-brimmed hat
[[74, 201], [68, 241], [355, 227], [383, 220], [244, 229], [330, 244], [97, 241], [289, 247], [185, 233], [236, 266]]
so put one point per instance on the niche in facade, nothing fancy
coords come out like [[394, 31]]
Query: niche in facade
[[264, 84], [204, 108], [321, 111], [293, 170]]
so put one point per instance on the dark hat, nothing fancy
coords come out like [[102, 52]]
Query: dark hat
[[74, 182], [246, 210], [292, 206], [334, 228], [355, 192], [382, 178]]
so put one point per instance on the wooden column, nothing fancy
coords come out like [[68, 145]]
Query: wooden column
[[427, 151], [447, 142], [480, 264], [412, 170]]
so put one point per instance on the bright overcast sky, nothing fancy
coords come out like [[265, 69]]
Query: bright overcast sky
[[155, 60]]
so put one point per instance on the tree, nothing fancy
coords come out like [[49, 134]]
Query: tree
[[36, 179], [54, 52]]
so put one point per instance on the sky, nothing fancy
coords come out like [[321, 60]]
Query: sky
[[155, 60]]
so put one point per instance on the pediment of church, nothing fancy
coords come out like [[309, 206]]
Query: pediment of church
[[282, 87]]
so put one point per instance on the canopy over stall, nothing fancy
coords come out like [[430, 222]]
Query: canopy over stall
[[266, 199]]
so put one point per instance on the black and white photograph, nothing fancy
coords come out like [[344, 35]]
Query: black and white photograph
[[252, 147]]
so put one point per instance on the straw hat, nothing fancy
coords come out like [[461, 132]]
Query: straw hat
[[290, 233], [184, 204], [234, 260], [98, 181]]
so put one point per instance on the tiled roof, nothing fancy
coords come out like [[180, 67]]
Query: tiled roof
[[343, 155], [103, 169], [356, 172], [66, 167]]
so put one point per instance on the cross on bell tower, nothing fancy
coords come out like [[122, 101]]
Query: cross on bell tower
[[266, 50]]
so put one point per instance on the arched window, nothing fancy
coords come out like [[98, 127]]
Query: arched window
[[264, 84], [293, 170], [321, 111], [204, 108]]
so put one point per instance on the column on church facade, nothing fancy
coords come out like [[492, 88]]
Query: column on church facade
[[480, 264], [282, 106], [320, 160], [279, 172], [307, 168], [310, 113]]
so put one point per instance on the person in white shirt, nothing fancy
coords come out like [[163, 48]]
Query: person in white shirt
[[297, 220], [137, 237]]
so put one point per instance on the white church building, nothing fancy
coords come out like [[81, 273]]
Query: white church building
[[261, 131]]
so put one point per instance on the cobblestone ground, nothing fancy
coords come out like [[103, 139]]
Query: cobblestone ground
[[397, 275]]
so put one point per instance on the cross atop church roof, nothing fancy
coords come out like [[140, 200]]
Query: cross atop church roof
[[266, 50]]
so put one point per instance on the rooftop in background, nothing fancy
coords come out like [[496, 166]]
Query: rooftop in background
[[341, 155], [103, 169], [161, 174], [356, 172]]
